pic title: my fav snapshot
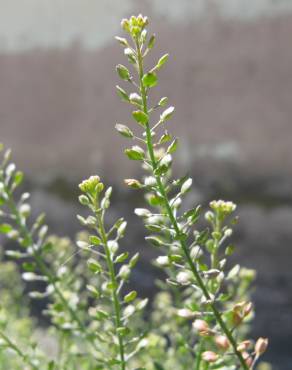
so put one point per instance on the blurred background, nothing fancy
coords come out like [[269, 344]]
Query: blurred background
[[230, 78]]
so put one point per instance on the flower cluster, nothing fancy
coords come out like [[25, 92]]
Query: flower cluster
[[134, 25]]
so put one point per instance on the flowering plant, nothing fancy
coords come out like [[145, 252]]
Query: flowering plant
[[200, 316]]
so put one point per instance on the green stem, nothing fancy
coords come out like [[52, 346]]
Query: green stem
[[173, 220], [115, 296], [199, 356], [17, 350]]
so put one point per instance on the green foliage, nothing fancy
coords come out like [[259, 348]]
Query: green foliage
[[200, 317]]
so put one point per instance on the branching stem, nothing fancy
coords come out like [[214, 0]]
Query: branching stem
[[16, 349], [172, 218]]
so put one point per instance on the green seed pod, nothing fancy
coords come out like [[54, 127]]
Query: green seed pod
[[130, 296], [135, 153], [124, 131], [123, 72]]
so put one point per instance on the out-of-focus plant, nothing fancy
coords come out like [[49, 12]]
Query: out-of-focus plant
[[95, 322], [201, 314]]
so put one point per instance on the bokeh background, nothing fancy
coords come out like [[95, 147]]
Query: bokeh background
[[230, 78]]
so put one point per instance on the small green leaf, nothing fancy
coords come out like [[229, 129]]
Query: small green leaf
[[167, 114], [122, 257], [124, 131], [93, 265], [165, 138], [135, 153], [83, 199], [130, 296], [150, 79], [140, 117], [151, 42], [175, 258], [101, 314], [29, 266], [134, 260], [5, 228], [122, 94], [95, 240], [154, 228], [123, 72], [193, 214], [163, 101], [155, 200], [173, 146], [93, 290], [202, 237], [155, 241], [186, 186], [18, 178], [122, 330], [122, 41], [161, 61], [229, 250]]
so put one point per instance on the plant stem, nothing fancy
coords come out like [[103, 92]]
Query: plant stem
[[17, 350], [115, 297], [172, 218], [199, 356]]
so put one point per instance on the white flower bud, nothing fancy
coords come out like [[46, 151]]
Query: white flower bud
[[135, 98], [25, 210], [209, 216], [186, 186], [261, 346], [142, 212], [166, 160], [209, 356], [10, 169], [124, 272], [184, 277], [201, 326], [176, 203], [129, 310], [228, 232], [162, 261], [113, 246], [222, 206], [222, 342], [186, 313], [166, 114], [150, 181], [196, 252]]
